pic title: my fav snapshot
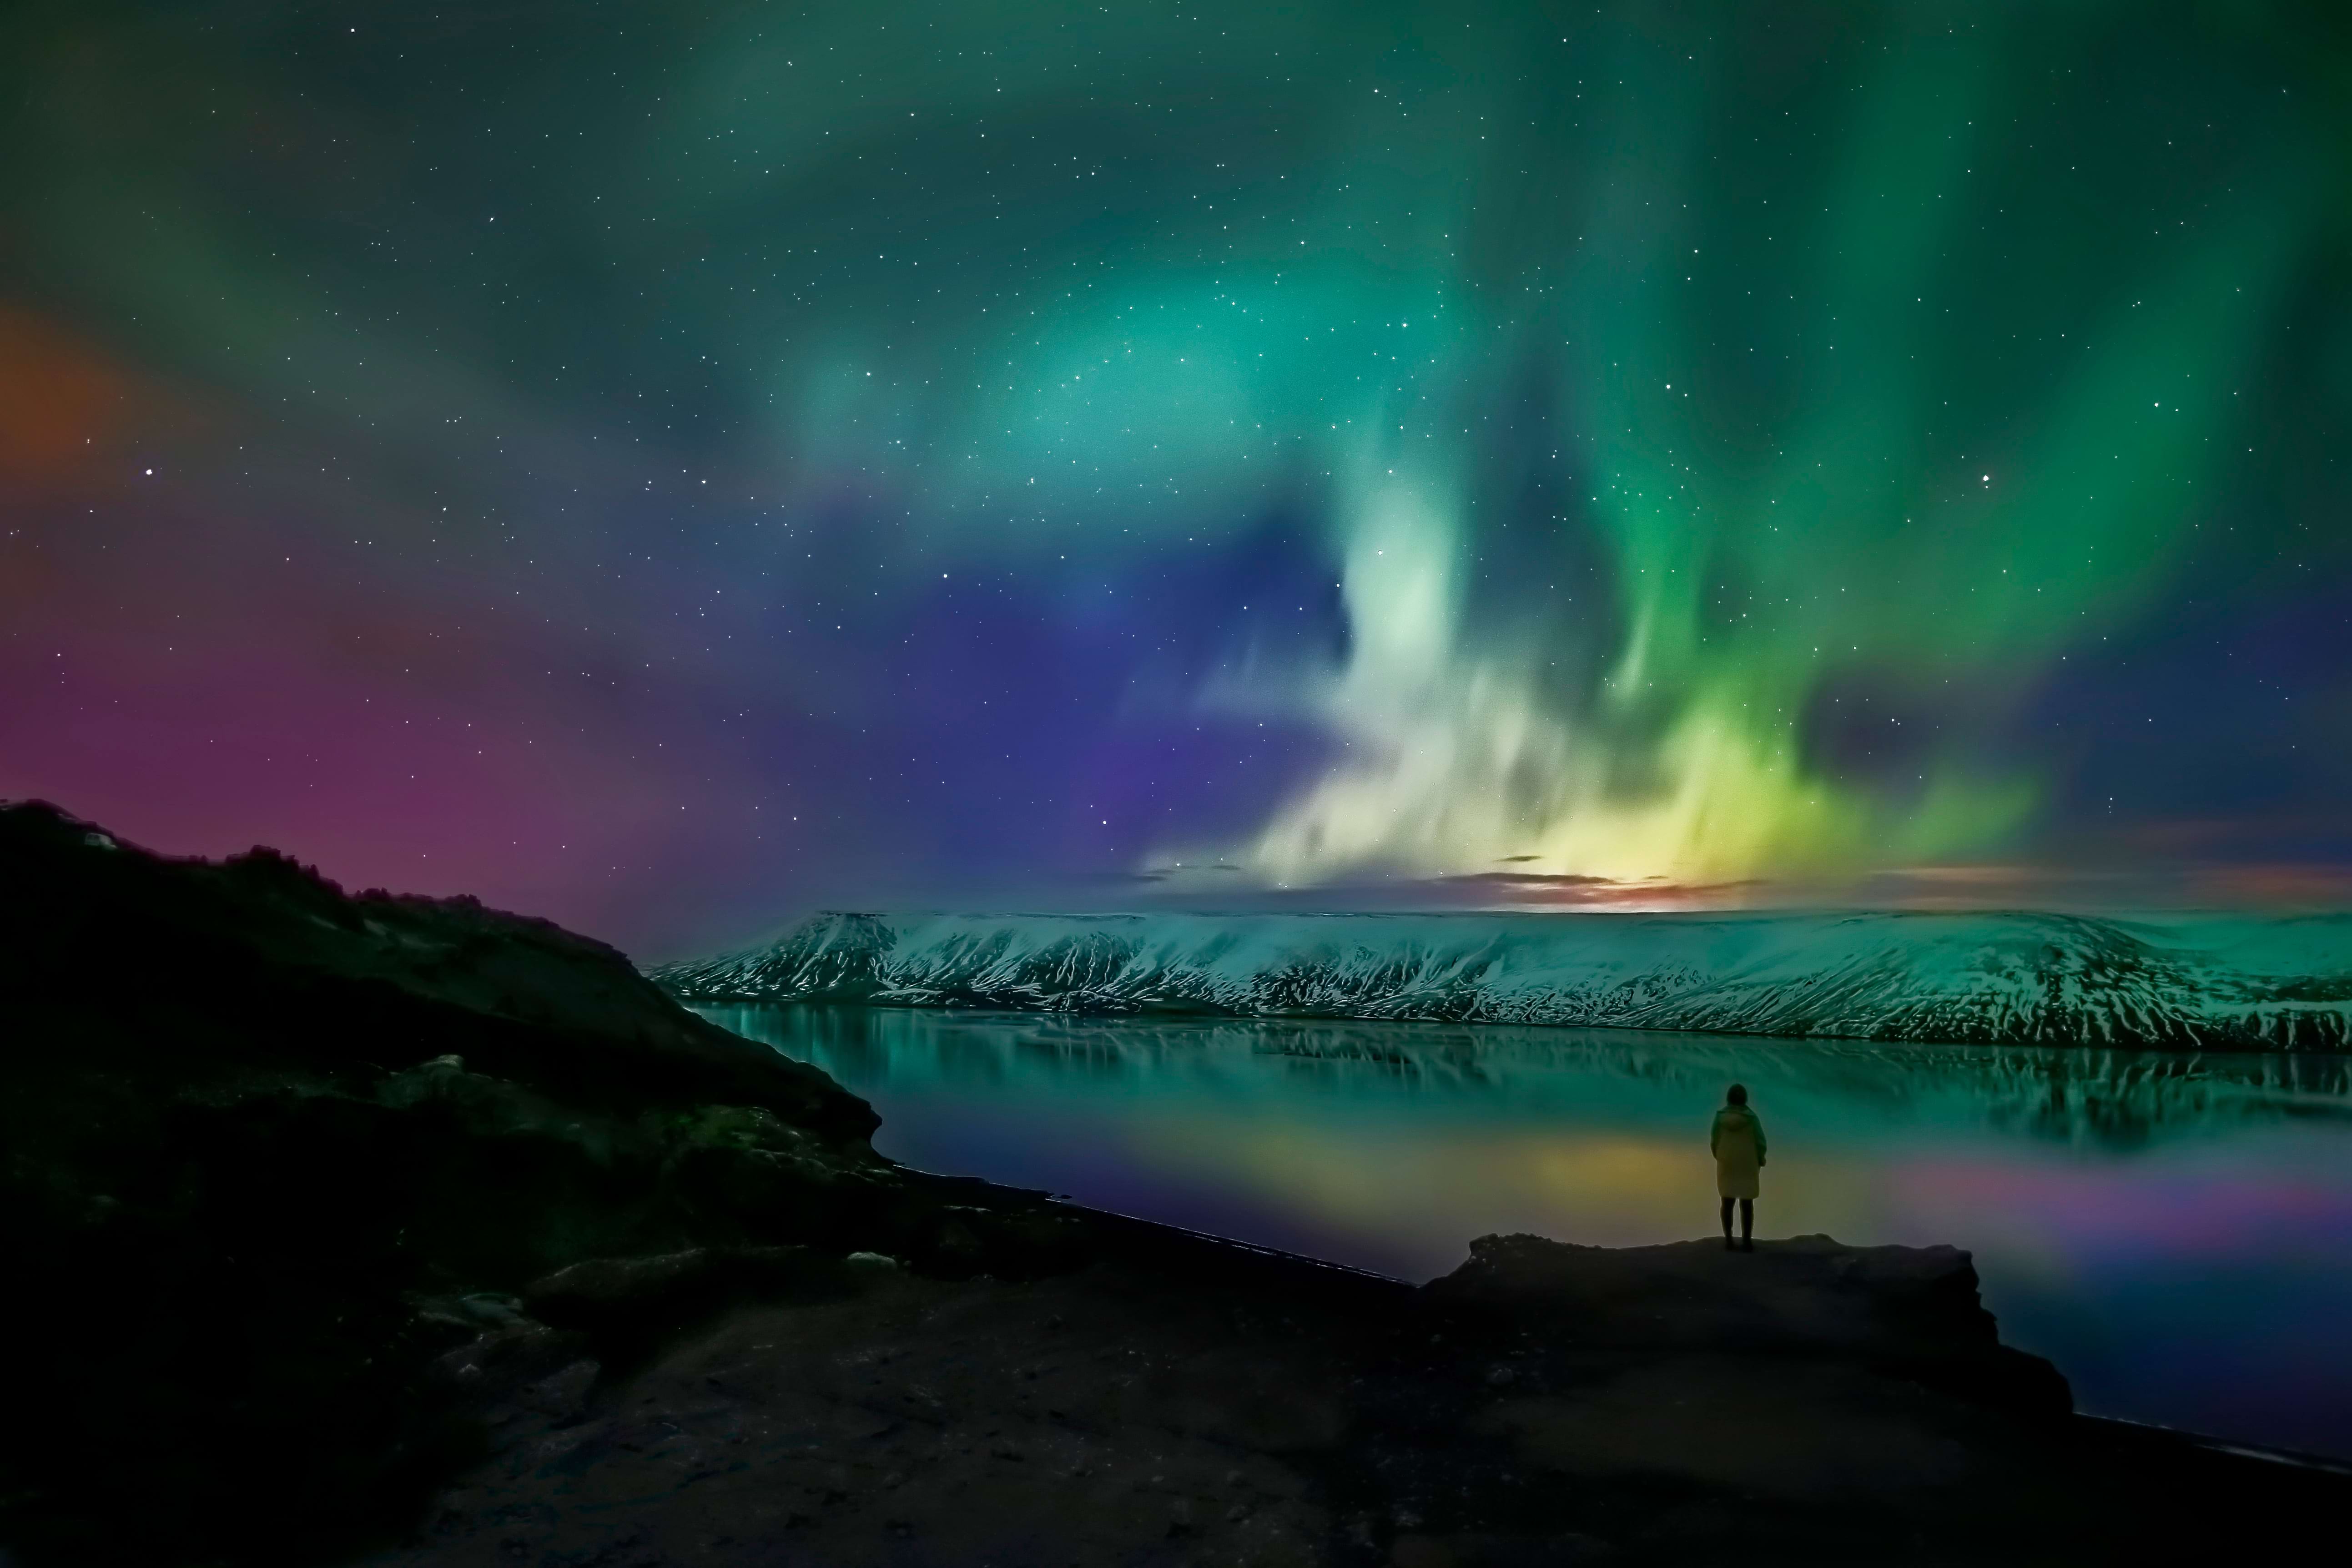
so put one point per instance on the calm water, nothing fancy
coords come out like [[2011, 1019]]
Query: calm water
[[2175, 1232]]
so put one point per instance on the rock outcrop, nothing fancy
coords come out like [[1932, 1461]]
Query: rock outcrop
[[1180, 1401], [255, 1129]]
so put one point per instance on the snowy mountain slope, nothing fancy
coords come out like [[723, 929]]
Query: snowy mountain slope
[[2014, 978]]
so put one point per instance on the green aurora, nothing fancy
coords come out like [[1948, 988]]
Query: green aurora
[[1654, 381]]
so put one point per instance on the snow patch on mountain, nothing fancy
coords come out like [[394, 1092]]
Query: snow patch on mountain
[[2210, 982]]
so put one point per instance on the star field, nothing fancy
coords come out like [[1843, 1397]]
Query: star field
[[667, 465]]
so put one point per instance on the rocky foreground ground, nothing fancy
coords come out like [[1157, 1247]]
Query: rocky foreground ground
[[397, 1230], [1175, 1401]]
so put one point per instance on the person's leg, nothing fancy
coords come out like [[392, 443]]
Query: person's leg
[[1727, 1222], [1746, 1222]]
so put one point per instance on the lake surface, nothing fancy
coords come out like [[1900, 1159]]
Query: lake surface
[[2175, 1231]]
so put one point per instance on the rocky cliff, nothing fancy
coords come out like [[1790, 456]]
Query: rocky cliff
[[263, 1140]]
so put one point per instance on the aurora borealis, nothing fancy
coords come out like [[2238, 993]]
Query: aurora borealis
[[661, 465]]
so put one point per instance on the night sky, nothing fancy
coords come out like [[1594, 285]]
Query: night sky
[[665, 466]]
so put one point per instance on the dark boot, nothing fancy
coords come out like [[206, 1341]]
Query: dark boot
[[1746, 1224], [1727, 1225]]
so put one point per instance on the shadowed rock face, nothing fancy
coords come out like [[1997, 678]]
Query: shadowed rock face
[[1899, 1311], [86, 917], [394, 1226], [253, 1128], [1178, 1401]]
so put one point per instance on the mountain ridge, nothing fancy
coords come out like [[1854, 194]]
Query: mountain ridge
[[1998, 978]]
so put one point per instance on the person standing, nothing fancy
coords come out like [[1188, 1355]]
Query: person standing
[[1736, 1142]]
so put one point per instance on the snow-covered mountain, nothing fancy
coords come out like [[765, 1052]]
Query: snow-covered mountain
[[2216, 983]]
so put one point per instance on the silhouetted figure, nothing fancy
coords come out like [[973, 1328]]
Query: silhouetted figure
[[1736, 1142]]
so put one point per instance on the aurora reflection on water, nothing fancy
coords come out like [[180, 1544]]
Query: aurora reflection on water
[[2169, 1229]]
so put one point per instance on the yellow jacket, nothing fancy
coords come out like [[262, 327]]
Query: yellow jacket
[[1736, 1142]]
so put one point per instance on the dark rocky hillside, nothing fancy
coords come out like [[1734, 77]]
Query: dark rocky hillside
[[264, 1140]]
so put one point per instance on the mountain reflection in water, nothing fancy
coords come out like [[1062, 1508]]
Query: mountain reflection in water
[[2171, 1229]]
